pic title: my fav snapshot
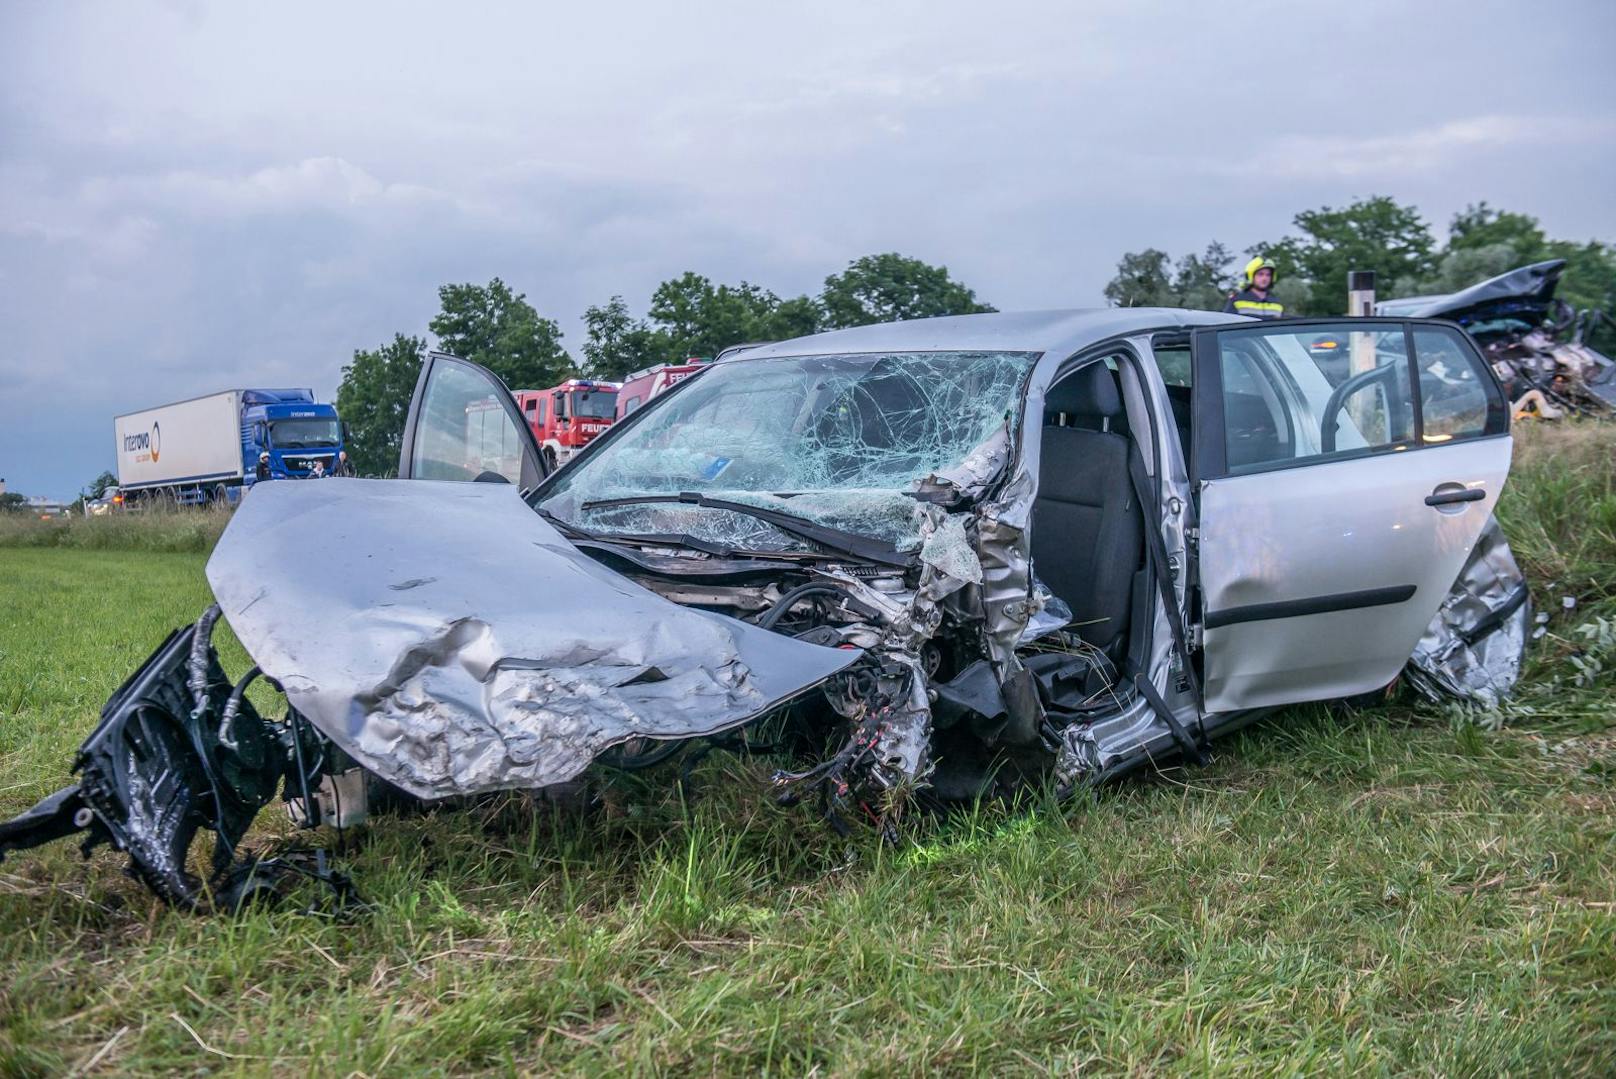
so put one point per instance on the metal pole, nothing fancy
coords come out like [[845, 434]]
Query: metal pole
[[1361, 351], [1360, 293]]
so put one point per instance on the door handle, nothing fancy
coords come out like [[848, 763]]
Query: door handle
[[1453, 494]]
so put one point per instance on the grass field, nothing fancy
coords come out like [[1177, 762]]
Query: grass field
[[1400, 889]]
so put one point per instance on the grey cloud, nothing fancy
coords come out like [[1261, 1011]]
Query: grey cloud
[[202, 195]]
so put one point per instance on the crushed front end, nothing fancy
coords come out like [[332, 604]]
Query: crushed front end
[[179, 751]]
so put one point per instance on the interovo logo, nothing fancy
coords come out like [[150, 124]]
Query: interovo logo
[[150, 441]]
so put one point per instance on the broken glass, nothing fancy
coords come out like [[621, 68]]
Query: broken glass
[[841, 440]]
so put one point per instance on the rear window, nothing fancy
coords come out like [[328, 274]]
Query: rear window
[[1304, 394]]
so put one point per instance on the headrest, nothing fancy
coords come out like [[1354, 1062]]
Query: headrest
[[1091, 391]]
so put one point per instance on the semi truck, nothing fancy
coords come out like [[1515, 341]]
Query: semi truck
[[207, 449], [568, 417]]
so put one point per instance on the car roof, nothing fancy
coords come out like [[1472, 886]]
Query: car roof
[[1065, 331]]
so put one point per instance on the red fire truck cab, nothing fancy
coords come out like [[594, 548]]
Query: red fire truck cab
[[566, 418], [641, 386]]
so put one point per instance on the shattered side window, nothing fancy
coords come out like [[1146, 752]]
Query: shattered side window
[[838, 439], [1456, 396]]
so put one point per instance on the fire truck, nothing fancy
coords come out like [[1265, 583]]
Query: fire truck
[[641, 386], [566, 418]]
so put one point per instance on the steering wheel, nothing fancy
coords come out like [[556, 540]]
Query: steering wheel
[[1338, 397]]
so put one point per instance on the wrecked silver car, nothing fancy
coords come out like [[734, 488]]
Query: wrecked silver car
[[1536, 343], [935, 560]]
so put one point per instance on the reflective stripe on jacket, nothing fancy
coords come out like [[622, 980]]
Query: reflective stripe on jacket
[[1247, 302]]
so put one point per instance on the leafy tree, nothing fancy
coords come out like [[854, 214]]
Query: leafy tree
[[1589, 279], [1144, 279], [1371, 234], [1149, 278], [374, 402], [618, 344], [12, 502], [797, 317], [1203, 282], [697, 318], [1480, 226], [890, 287], [499, 329]]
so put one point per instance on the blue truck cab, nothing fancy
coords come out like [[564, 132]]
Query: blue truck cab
[[297, 432], [294, 430]]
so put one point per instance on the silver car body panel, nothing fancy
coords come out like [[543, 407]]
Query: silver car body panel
[[1473, 648], [1281, 537], [451, 641]]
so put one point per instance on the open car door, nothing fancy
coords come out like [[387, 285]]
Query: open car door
[[1344, 469], [464, 425]]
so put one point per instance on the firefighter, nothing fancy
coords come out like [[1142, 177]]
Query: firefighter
[[1255, 299]]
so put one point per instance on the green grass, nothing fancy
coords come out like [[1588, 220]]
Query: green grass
[[1400, 889]]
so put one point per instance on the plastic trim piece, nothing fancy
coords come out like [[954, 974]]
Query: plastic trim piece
[[1295, 608]]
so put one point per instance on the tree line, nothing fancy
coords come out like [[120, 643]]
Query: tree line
[[690, 315], [687, 316], [1377, 234]]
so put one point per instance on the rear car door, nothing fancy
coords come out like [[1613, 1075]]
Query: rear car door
[[1344, 469], [465, 425]]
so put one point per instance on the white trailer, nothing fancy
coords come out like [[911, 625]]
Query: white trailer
[[195, 444]]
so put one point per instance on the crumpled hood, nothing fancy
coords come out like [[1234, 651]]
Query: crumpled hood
[[451, 641]]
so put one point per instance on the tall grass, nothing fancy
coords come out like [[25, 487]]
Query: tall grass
[[174, 530], [1374, 891], [1559, 509]]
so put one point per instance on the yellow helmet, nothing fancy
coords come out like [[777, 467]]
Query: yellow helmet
[[1260, 263]]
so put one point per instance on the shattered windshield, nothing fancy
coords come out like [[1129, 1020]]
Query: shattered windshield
[[839, 440]]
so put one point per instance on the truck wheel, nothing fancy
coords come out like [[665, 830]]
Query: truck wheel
[[550, 459], [221, 495]]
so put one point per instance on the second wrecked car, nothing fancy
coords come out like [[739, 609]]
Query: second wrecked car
[[948, 555]]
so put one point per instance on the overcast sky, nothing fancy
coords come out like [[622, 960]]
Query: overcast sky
[[195, 196]]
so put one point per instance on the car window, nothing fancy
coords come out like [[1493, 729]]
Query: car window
[[1174, 364], [464, 431], [1457, 397], [1294, 395]]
